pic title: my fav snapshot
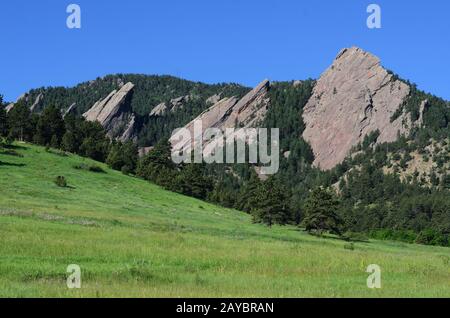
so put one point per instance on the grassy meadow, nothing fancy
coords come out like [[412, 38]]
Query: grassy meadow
[[134, 239]]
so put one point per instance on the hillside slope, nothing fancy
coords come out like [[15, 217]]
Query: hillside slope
[[132, 238]]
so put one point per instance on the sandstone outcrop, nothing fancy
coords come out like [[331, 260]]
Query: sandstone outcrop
[[70, 110], [9, 107], [37, 103], [173, 105], [354, 97], [233, 113], [35, 107], [114, 113]]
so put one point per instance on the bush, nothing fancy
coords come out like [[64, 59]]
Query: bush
[[431, 237], [91, 168], [356, 237], [56, 152], [349, 246], [126, 170], [60, 181], [406, 236]]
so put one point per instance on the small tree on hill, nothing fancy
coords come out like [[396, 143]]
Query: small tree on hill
[[248, 196], [20, 122], [50, 127], [321, 212], [123, 156], [3, 118], [157, 166], [272, 203], [193, 181]]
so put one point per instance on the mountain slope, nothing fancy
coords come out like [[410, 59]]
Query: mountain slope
[[133, 239]]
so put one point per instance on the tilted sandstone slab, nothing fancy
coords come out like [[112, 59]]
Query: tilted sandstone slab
[[114, 113], [37, 104], [9, 107], [174, 105], [354, 97], [158, 110], [70, 110], [232, 113]]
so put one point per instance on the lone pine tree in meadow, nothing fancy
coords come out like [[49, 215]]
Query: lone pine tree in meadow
[[321, 212], [271, 204]]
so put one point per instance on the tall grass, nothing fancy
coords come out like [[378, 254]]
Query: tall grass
[[133, 239]]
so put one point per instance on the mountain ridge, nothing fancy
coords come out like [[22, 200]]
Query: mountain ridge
[[369, 98]]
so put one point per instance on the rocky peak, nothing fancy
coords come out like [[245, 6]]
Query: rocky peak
[[354, 97], [114, 113]]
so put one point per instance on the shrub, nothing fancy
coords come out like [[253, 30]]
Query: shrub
[[60, 181], [126, 170], [356, 237], [97, 169], [349, 246], [91, 168], [431, 237]]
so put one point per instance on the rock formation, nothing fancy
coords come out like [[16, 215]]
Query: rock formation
[[35, 107], [114, 113], [353, 98], [234, 113], [173, 105], [37, 103], [9, 107], [70, 110]]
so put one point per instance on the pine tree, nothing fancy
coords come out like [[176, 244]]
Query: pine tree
[[3, 119], [248, 196], [69, 142], [54, 142], [95, 143], [20, 122], [271, 204], [157, 166], [192, 181], [123, 157], [50, 127], [321, 212]]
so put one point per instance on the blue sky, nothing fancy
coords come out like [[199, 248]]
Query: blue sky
[[240, 41]]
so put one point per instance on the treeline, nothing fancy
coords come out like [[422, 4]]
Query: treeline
[[71, 134], [150, 90]]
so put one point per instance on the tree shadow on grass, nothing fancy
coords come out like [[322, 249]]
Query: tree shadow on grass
[[10, 164], [10, 152], [333, 237], [15, 147]]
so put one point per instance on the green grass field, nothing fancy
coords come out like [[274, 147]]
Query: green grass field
[[133, 239]]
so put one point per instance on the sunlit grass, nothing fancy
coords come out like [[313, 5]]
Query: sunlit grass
[[133, 239]]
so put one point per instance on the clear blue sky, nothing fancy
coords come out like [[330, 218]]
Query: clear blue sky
[[240, 41]]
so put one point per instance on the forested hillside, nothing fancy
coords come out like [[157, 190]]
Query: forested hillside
[[149, 92]]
